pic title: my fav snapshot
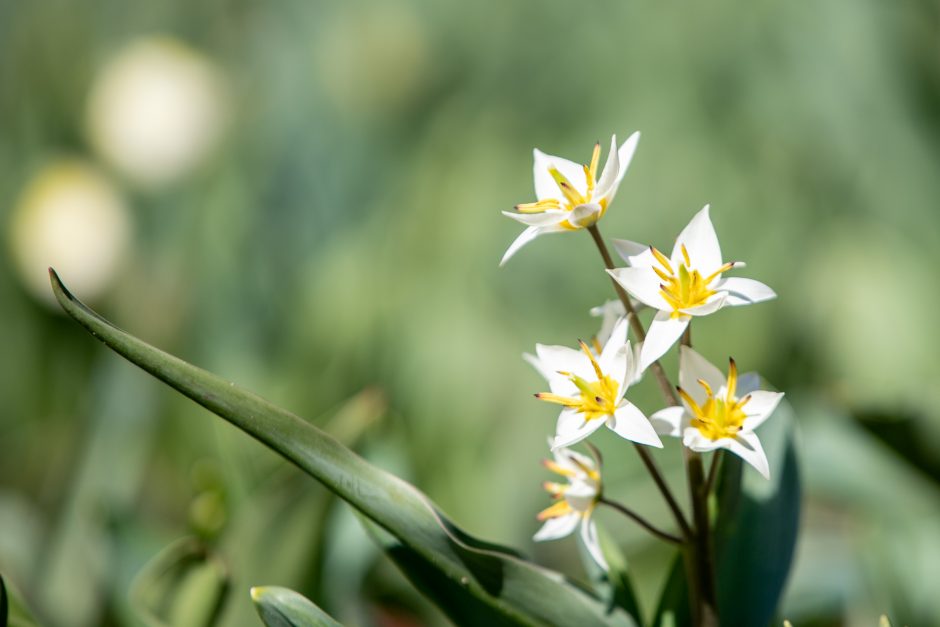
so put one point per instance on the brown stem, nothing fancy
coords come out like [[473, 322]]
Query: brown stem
[[623, 509], [668, 391]]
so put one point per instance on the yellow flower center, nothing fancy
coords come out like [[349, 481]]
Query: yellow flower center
[[686, 288], [571, 197], [561, 507], [718, 417], [596, 399]]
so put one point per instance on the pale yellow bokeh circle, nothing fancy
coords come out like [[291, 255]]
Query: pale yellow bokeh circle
[[70, 217]]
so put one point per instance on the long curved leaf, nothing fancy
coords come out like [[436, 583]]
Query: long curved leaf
[[281, 607], [509, 587], [754, 533]]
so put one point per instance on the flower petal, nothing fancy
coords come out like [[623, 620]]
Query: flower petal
[[545, 218], [743, 291], [527, 236], [692, 367], [581, 495], [643, 284], [747, 383], [609, 176], [629, 423], [693, 439], [712, 304], [759, 408], [555, 528], [616, 341], [701, 242], [664, 331], [572, 428], [636, 254], [747, 446], [563, 359], [545, 185], [585, 215], [669, 421], [591, 541]]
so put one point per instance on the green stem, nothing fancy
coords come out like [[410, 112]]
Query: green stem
[[629, 513]]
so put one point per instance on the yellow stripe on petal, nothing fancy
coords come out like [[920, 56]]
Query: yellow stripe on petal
[[556, 510]]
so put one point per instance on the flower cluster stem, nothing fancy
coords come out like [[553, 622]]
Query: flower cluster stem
[[629, 513], [697, 553]]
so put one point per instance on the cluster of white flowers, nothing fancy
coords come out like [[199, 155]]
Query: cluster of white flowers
[[592, 381]]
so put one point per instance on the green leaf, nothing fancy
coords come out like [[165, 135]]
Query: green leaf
[[185, 585], [13, 612], [613, 585], [754, 534], [495, 578], [280, 607]]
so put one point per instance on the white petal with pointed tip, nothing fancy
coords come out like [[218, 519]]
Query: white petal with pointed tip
[[629, 423], [693, 367], [701, 242], [712, 304], [592, 543], [562, 358], [743, 291], [643, 284], [546, 218], [694, 439], [572, 428], [636, 254], [524, 238], [664, 331], [585, 215], [555, 528], [611, 172], [545, 185], [669, 421], [748, 447], [759, 408]]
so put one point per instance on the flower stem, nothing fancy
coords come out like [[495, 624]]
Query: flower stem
[[623, 509], [668, 390], [713, 472], [706, 610]]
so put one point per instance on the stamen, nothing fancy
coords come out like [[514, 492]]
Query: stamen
[[722, 269], [569, 191], [538, 207], [708, 388], [597, 345], [557, 468], [691, 401], [557, 399], [661, 274], [597, 368], [589, 180], [661, 258], [555, 510], [685, 255], [595, 161], [555, 489], [732, 379]]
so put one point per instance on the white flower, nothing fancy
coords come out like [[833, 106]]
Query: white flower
[[569, 195], [610, 313], [718, 412], [574, 502], [690, 283], [591, 390]]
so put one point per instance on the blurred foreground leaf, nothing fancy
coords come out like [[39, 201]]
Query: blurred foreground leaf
[[183, 586], [280, 607], [754, 534], [13, 612], [505, 588]]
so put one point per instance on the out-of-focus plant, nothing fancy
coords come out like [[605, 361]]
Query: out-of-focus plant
[[734, 544]]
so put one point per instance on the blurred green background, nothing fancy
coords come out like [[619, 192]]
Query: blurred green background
[[304, 197]]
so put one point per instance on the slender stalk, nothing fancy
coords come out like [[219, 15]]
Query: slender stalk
[[713, 471], [707, 608], [629, 513], [668, 391]]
